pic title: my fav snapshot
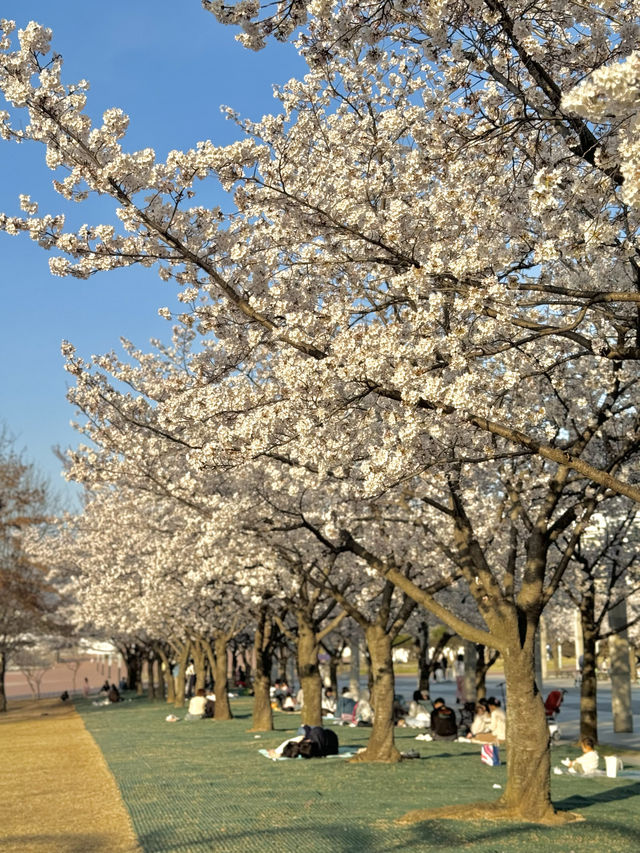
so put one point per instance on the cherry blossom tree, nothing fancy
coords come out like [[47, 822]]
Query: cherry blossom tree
[[27, 599], [603, 573], [431, 268]]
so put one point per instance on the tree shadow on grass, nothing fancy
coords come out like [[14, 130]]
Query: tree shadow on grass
[[488, 836], [72, 842], [610, 795], [337, 838], [434, 835]]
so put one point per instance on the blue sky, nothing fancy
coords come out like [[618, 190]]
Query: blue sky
[[169, 66]]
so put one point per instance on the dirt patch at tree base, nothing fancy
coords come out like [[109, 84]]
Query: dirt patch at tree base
[[487, 811]]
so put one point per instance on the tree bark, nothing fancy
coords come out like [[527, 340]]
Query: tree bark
[[620, 672], [3, 670], [151, 687], [309, 671], [470, 670], [424, 671], [167, 675], [527, 793], [223, 708], [262, 712], [354, 673], [381, 745], [132, 661], [589, 681], [199, 660], [283, 660]]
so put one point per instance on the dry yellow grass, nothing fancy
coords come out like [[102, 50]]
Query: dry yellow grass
[[57, 794]]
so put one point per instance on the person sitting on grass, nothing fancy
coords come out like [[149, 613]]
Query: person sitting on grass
[[288, 703], [364, 711], [587, 762], [114, 694], [345, 706], [197, 705], [467, 716], [497, 725], [418, 716], [443, 721], [328, 702], [482, 720]]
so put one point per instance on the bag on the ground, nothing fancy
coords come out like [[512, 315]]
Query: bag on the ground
[[490, 754]]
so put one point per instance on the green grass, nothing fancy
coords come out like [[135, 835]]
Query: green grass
[[193, 787]]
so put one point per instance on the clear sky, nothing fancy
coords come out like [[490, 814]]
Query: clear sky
[[169, 66]]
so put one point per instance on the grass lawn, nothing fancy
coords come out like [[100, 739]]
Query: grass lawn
[[203, 786]]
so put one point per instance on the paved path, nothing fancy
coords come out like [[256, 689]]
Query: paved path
[[61, 677]]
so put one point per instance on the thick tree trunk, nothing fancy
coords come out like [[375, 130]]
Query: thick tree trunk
[[620, 672], [309, 672], [133, 664], [3, 670], [167, 676], [199, 660], [527, 793], [589, 681], [151, 687], [470, 670], [283, 660], [262, 712], [223, 709], [160, 689], [381, 746], [354, 673], [262, 720]]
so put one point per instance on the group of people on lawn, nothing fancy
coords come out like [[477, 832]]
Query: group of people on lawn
[[481, 722]]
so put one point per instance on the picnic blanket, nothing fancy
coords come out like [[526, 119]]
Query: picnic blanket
[[343, 752]]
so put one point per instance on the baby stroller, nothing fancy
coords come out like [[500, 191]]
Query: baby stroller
[[552, 705]]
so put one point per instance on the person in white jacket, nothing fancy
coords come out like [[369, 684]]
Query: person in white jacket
[[587, 762], [497, 724]]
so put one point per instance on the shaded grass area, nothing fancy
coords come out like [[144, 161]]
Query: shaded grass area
[[193, 787]]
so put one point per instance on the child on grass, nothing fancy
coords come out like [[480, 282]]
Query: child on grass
[[587, 762]]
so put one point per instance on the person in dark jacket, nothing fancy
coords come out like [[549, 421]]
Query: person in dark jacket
[[316, 742], [323, 742], [443, 721]]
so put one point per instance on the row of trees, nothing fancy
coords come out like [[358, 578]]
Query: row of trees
[[28, 600], [405, 374]]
